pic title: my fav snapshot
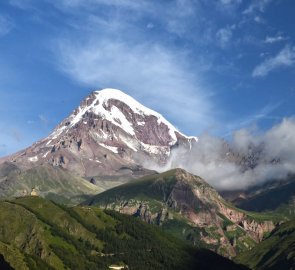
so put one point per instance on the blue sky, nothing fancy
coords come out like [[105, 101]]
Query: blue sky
[[209, 66]]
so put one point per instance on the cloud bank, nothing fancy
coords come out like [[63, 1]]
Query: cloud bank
[[250, 159]]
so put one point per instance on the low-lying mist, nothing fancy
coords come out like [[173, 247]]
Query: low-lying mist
[[250, 158]]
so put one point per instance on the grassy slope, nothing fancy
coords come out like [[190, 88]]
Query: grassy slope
[[38, 234], [53, 183], [148, 187], [275, 252], [155, 188]]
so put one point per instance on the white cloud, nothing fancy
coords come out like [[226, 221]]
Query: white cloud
[[275, 39], [6, 25], [258, 19], [211, 158], [157, 75], [224, 36], [285, 58], [117, 51], [150, 26]]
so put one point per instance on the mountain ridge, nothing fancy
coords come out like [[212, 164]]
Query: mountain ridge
[[177, 197]]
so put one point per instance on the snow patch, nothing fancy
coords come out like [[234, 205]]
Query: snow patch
[[48, 142], [57, 132], [33, 159], [129, 143], [141, 123], [111, 148], [45, 155], [106, 94], [154, 149], [123, 122]]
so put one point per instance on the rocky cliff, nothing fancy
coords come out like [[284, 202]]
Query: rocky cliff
[[180, 197]]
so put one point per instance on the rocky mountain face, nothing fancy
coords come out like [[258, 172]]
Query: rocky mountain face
[[103, 143], [187, 206], [109, 134]]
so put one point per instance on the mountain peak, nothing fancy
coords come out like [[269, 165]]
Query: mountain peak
[[108, 131], [115, 106], [107, 94]]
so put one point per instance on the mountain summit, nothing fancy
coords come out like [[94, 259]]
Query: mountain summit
[[109, 134]]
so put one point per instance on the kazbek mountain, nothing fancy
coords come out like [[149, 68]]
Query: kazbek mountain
[[108, 139]]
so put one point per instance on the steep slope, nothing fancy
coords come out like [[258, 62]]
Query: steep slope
[[190, 208], [38, 234], [275, 252], [110, 133], [277, 195]]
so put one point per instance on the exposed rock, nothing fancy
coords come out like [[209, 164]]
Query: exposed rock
[[178, 194], [108, 131]]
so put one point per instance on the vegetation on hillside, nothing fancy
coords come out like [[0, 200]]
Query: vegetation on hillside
[[276, 252], [38, 234], [165, 199]]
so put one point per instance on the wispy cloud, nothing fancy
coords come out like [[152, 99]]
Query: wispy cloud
[[257, 5], [6, 25], [252, 119], [285, 58], [117, 51], [224, 36], [157, 75], [229, 6], [43, 119], [275, 39]]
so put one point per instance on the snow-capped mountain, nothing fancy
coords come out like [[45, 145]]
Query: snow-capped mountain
[[109, 133]]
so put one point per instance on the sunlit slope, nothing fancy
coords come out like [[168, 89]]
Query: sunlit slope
[[191, 209], [38, 234]]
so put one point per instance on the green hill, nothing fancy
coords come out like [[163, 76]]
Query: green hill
[[185, 205], [279, 198], [38, 234], [51, 182], [276, 252]]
